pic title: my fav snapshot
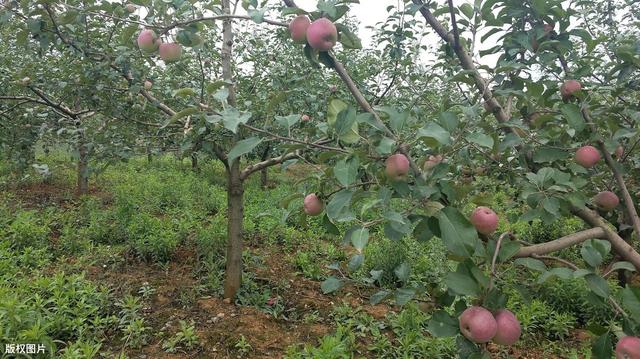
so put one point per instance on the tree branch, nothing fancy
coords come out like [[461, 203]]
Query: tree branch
[[561, 243], [289, 139], [619, 245], [249, 170]]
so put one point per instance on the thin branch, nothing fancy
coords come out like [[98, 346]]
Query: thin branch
[[454, 25], [557, 259], [561, 243], [249, 170], [628, 201], [289, 139]]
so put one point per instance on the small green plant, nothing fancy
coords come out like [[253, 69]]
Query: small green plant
[[185, 338], [151, 238], [242, 346]]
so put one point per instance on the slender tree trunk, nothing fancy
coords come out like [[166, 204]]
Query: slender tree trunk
[[149, 156], [235, 215], [264, 173], [194, 161], [235, 189], [83, 168]]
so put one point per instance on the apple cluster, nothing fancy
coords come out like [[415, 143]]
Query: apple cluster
[[320, 34], [481, 326], [149, 43]]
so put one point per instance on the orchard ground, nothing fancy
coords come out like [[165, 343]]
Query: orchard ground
[[135, 269]]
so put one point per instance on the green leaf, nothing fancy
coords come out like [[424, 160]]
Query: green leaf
[[360, 238], [379, 297], [480, 139], [402, 296], [356, 262], [347, 38], [330, 285], [531, 263], [442, 325], [232, 118], [462, 284], [457, 233], [602, 347], [623, 265], [287, 121], [593, 251], [346, 171], [548, 154], [338, 208], [243, 147], [631, 301], [574, 116], [402, 272], [598, 285], [433, 131], [184, 92]]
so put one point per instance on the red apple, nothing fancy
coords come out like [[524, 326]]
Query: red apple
[[322, 34], [485, 220], [628, 348], [619, 152], [298, 28], [397, 166], [312, 205], [148, 85], [305, 118], [478, 324], [148, 41], [170, 52], [130, 8], [606, 200], [333, 88], [508, 327], [569, 88], [587, 156]]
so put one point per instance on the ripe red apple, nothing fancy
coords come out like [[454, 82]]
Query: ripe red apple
[[587, 156], [397, 166], [147, 85], [568, 88], [170, 52], [148, 41], [606, 200], [130, 8], [484, 219], [312, 205], [322, 34], [619, 152], [508, 327], [628, 348], [333, 88], [478, 324], [431, 162], [298, 28], [305, 118]]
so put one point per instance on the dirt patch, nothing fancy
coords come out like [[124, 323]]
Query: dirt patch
[[40, 195]]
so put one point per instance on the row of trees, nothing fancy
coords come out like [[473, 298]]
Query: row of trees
[[75, 75]]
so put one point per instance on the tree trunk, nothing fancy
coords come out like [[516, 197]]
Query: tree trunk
[[194, 161], [83, 169], [149, 156], [235, 214]]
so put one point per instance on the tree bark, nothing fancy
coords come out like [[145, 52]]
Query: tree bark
[[83, 168], [622, 248], [194, 161], [235, 215]]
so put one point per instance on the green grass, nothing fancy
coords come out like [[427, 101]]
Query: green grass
[[146, 211]]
